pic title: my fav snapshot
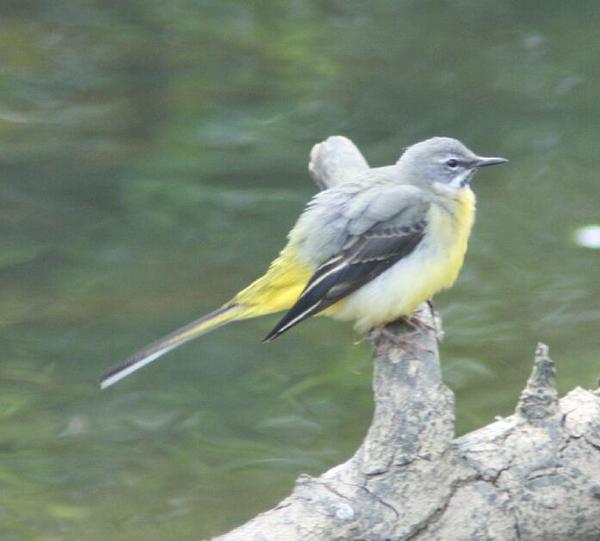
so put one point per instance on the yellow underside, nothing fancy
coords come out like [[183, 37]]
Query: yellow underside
[[278, 289]]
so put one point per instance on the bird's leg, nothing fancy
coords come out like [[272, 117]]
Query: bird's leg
[[406, 341], [419, 324]]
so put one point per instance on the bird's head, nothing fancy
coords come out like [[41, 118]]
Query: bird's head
[[442, 164]]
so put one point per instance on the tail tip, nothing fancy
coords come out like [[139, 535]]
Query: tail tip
[[272, 335], [108, 380]]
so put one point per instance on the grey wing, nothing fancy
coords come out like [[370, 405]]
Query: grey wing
[[380, 234]]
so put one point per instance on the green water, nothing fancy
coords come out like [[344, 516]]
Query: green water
[[152, 158]]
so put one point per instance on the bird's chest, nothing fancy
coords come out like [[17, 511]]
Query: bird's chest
[[450, 227]]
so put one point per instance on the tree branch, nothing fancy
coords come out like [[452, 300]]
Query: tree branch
[[534, 475]]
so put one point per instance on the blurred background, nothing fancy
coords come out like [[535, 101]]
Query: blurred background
[[152, 158]]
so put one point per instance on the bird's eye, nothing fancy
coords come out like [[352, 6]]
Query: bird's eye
[[452, 163]]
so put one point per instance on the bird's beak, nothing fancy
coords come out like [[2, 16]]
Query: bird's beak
[[485, 162]]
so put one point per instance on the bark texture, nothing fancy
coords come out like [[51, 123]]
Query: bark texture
[[532, 476]]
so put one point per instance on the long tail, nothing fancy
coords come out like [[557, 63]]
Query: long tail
[[277, 290], [226, 314]]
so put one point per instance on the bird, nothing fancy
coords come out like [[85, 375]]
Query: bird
[[368, 250]]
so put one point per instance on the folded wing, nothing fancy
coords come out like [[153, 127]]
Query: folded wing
[[379, 245]]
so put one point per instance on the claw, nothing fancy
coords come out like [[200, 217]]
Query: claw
[[406, 342], [418, 324]]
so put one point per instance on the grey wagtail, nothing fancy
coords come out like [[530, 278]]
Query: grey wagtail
[[369, 250]]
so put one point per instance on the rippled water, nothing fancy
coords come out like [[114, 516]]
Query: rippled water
[[153, 156]]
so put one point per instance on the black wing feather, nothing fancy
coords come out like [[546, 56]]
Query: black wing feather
[[362, 260]]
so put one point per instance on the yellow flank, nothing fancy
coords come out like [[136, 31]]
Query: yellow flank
[[278, 289]]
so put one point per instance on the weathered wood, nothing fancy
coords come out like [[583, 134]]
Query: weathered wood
[[533, 476]]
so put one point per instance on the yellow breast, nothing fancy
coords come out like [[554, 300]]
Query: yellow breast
[[451, 224]]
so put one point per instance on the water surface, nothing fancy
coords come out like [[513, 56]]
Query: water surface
[[152, 158]]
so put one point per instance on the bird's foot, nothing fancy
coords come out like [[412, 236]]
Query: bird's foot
[[418, 324], [407, 341]]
